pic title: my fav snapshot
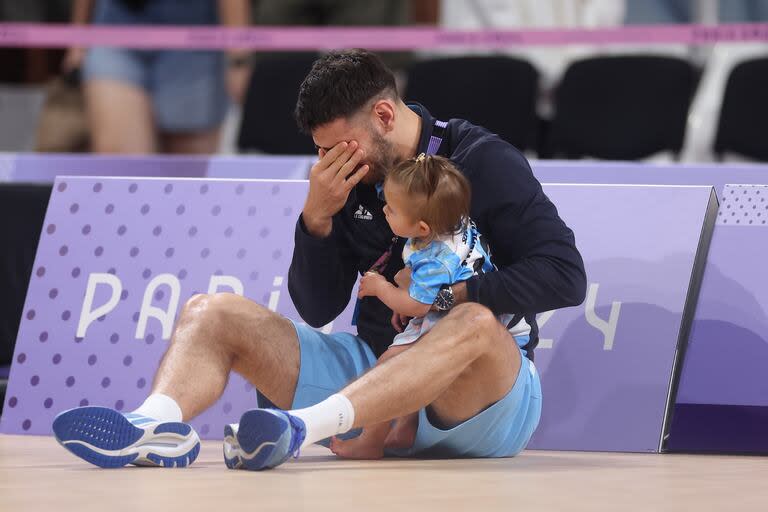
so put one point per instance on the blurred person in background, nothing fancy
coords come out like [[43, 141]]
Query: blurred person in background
[[26, 74], [646, 12], [340, 13], [330, 12], [147, 101]]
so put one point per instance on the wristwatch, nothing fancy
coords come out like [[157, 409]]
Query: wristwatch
[[445, 299]]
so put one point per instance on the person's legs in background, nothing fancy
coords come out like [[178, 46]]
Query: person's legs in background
[[147, 102], [201, 143], [118, 105], [190, 101]]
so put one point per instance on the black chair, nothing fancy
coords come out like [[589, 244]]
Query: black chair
[[22, 208], [743, 125], [622, 108], [498, 93], [268, 124]]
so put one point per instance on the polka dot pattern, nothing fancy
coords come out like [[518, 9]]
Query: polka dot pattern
[[137, 229], [743, 205]]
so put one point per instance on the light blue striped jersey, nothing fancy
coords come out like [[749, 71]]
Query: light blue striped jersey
[[446, 260]]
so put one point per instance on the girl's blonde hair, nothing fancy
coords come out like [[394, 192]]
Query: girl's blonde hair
[[445, 191]]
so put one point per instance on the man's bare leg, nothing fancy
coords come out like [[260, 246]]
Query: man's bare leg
[[216, 334], [371, 442], [467, 362]]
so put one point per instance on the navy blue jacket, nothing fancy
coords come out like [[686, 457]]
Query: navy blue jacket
[[540, 268]]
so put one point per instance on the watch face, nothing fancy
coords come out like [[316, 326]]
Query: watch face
[[445, 299]]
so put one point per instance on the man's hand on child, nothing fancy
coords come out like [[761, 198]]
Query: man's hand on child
[[399, 321]]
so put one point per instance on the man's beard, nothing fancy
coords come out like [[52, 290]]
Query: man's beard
[[384, 158]]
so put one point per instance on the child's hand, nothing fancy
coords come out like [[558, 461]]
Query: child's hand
[[370, 284]]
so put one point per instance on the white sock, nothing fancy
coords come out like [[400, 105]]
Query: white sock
[[160, 407], [334, 415]]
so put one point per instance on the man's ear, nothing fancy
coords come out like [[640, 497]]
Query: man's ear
[[384, 114]]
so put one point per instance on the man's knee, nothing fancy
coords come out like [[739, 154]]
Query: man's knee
[[474, 323], [201, 308], [196, 305], [212, 306], [490, 373], [474, 317], [222, 313]]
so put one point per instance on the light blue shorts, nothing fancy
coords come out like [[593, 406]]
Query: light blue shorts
[[330, 361]]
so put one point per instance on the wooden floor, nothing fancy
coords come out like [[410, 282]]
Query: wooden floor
[[37, 474]]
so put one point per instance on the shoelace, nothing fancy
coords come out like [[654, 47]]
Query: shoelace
[[299, 433]]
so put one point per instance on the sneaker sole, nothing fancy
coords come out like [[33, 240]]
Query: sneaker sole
[[259, 434], [105, 438], [232, 454]]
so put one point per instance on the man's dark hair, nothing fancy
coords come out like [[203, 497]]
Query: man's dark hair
[[339, 84]]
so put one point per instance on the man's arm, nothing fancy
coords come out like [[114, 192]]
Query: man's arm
[[523, 226], [321, 276], [323, 270]]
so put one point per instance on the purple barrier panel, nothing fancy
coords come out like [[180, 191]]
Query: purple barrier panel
[[45, 167], [716, 175], [261, 167], [607, 366], [141, 247], [28, 167], [737, 255], [722, 402], [152, 243]]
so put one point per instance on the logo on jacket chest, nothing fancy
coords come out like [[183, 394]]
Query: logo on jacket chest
[[362, 213]]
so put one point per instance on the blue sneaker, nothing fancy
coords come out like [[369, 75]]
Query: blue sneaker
[[232, 454], [110, 439], [265, 438]]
